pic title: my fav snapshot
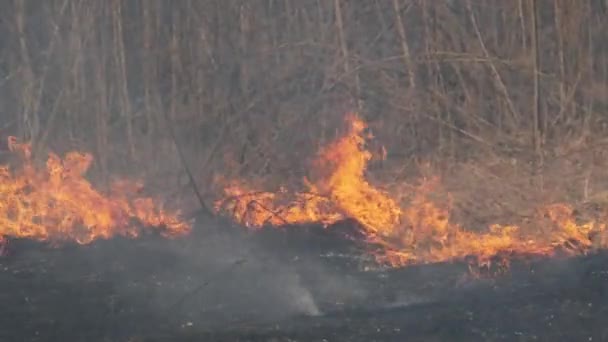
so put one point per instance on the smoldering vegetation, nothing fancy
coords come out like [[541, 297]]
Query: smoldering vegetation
[[218, 276], [225, 283]]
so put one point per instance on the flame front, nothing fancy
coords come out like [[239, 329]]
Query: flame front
[[343, 163], [56, 203], [258, 208], [340, 191], [417, 231]]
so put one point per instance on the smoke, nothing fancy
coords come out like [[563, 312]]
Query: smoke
[[222, 276], [218, 276]]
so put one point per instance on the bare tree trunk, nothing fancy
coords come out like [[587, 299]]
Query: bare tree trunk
[[245, 28], [563, 90], [175, 63], [122, 79], [345, 53], [28, 118], [41, 138], [497, 78], [407, 61], [539, 126], [430, 40], [151, 103], [100, 75], [101, 118], [590, 65], [522, 21]]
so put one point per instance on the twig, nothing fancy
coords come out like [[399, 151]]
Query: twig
[[499, 83], [285, 222], [234, 198], [182, 158]]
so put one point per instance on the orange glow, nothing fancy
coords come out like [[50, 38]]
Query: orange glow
[[341, 191], [343, 165], [256, 209], [56, 203], [416, 231]]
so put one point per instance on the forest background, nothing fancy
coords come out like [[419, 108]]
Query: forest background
[[505, 101]]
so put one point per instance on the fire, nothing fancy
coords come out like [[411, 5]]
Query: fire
[[258, 208], [418, 230], [343, 165], [341, 191], [56, 203]]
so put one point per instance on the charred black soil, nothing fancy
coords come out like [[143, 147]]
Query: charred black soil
[[296, 284]]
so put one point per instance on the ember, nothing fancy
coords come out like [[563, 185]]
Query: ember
[[56, 203], [418, 231]]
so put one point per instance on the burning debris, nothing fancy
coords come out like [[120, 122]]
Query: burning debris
[[56, 203], [417, 230]]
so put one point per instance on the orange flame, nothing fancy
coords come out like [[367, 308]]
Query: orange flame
[[258, 208], [57, 203], [417, 232], [344, 163]]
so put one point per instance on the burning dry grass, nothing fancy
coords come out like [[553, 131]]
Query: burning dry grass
[[56, 203], [403, 223], [409, 226]]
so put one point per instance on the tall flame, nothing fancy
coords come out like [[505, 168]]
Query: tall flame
[[344, 162], [417, 232], [56, 203]]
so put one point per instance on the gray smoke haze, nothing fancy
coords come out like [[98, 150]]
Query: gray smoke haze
[[217, 276]]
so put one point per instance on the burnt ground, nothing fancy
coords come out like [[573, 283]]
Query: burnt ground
[[301, 284]]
